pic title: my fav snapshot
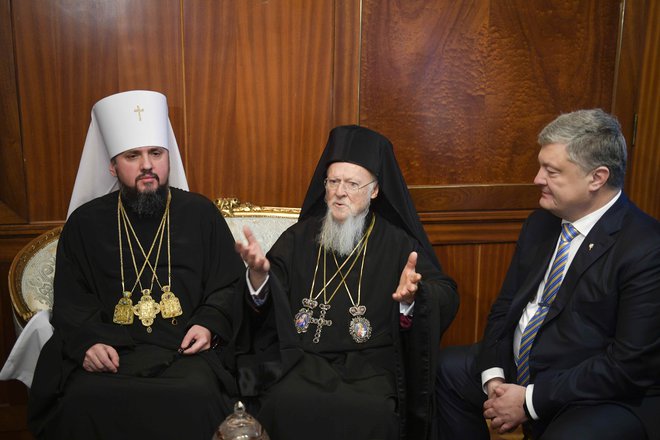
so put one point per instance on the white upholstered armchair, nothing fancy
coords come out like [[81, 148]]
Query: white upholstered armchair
[[31, 278], [266, 222]]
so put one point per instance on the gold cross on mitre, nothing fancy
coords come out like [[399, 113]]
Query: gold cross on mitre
[[139, 111]]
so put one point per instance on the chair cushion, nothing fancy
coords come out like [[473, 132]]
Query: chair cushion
[[265, 229], [37, 279]]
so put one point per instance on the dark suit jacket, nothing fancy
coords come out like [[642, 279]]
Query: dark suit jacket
[[601, 338]]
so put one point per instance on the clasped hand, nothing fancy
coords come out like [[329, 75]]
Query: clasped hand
[[408, 282], [504, 406], [103, 358]]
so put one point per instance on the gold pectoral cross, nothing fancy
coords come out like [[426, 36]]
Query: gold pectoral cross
[[146, 309]]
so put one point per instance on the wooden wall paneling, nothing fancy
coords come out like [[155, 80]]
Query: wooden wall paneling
[[13, 200], [13, 394], [494, 261], [550, 57], [281, 103], [60, 59], [479, 271], [473, 227], [13, 424], [644, 168], [474, 197], [211, 74], [8, 335], [148, 39], [626, 96], [421, 83], [346, 62], [71, 53], [461, 262], [462, 88]]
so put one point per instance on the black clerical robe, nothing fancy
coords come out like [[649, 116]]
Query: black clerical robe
[[156, 393], [338, 388]]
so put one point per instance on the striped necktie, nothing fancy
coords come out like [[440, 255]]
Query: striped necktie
[[550, 290]]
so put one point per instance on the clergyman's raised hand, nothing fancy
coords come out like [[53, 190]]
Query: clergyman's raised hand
[[408, 283], [254, 257]]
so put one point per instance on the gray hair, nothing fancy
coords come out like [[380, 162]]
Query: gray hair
[[593, 138]]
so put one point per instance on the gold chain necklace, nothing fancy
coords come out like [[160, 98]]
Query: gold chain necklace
[[170, 306], [305, 315], [359, 327], [123, 313], [147, 257], [147, 308]]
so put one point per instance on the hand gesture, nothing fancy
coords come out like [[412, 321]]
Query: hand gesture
[[197, 339], [254, 257], [101, 358], [505, 408], [408, 282]]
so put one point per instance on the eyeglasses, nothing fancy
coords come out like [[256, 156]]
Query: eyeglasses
[[349, 187]]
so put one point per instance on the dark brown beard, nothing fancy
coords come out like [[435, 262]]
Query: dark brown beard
[[144, 203]]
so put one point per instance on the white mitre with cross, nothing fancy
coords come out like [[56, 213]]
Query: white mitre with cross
[[120, 122]]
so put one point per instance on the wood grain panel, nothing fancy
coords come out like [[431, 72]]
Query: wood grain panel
[[346, 63], [6, 326], [625, 101], [209, 36], [71, 53], [479, 271], [148, 40], [272, 66], [14, 237], [59, 55], [8, 215], [13, 201], [471, 230], [644, 170], [420, 88], [475, 197], [463, 88], [13, 395], [494, 262], [461, 262], [13, 422]]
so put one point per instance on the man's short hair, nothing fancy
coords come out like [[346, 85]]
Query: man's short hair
[[593, 138]]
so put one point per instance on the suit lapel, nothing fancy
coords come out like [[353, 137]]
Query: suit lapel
[[541, 254], [599, 240]]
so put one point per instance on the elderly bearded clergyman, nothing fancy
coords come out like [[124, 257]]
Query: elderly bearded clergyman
[[344, 314]]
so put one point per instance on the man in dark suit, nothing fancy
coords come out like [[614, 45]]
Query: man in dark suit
[[572, 344]]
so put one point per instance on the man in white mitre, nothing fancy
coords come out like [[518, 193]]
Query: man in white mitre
[[145, 275]]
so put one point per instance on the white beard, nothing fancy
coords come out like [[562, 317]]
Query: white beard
[[341, 238]]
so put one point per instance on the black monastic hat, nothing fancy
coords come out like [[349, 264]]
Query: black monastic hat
[[373, 151]]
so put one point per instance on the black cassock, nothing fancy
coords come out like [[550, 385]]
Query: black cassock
[[339, 388], [156, 393]]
